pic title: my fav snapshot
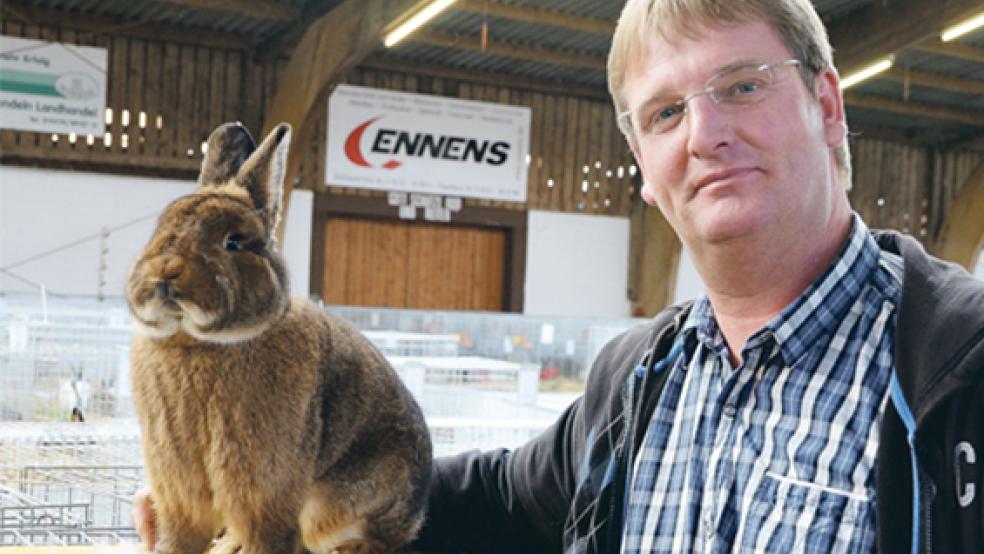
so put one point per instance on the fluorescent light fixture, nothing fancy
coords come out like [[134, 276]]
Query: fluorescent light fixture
[[962, 28], [867, 72], [415, 21]]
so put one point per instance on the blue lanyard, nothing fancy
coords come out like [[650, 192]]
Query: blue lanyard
[[661, 365]]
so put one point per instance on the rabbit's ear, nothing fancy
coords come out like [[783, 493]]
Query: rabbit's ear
[[229, 146], [263, 174]]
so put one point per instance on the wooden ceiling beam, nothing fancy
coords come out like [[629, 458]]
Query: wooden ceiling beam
[[951, 50], [110, 26], [933, 111], [536, 16], [881, 28], [483, 77], [332, 46], [257, 9], [283, 42], [920, 136], [506, 50], [973, 141], [934, 81]]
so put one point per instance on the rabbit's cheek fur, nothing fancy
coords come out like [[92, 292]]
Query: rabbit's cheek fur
[[151, 316], [197, 316], [222, 310], [208, 304], [157, 329]]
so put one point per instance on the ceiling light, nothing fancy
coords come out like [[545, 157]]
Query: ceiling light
[[415, 21], [962, 28], [867, 72]]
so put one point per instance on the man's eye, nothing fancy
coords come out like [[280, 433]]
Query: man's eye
[[668, 112], [235, 243], [661, 116], [743, 88]]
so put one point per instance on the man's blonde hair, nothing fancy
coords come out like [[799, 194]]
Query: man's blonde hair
[[796, 21]]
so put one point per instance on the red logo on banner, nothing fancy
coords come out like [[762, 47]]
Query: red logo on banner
[[353, 150]]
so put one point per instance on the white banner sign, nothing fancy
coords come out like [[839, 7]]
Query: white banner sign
[[398, 141], [51, 87]]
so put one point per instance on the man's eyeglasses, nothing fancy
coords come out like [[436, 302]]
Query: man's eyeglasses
[[733, 87]]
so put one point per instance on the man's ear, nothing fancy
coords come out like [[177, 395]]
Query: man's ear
[[262, 175], [646, 192], [831, 101]]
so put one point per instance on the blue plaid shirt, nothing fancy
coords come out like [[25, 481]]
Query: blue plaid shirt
[[778, 454]]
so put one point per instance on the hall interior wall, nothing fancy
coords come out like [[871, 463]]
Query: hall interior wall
[[173, 94]]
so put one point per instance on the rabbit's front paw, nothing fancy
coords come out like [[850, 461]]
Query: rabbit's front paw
[[190, 543], [358, 547]]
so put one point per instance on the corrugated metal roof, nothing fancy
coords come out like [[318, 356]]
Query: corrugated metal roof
[[522, 33], [603, 9], [861, 118], [477, 61], [974, 39], [895, 90], [468, 25], [165, 13], [832, 11]]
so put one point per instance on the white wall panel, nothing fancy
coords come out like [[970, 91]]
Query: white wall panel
[[43, 210], [577, 265]]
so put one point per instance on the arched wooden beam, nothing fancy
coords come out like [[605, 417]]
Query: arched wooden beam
[[332, 46], [962, 236], [654, 260]]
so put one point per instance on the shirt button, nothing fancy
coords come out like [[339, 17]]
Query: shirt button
[[730, 410], [708, 529]]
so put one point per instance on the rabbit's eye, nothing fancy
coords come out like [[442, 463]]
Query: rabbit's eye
[[235, 243]]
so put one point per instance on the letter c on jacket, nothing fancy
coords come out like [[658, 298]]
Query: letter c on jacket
[[965, 495]]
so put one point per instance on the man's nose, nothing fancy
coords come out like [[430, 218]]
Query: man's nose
[[709, 127]]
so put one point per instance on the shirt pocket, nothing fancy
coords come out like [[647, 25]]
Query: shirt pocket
[[788, 515]]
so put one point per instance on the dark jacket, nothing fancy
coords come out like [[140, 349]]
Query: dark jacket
[[565, 490]]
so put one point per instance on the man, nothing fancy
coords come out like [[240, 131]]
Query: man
[[824, 396], [784, 411]]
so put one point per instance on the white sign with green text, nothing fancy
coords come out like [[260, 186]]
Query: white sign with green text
[[51, 87]]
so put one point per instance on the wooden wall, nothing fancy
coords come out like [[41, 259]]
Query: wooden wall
[[370, 262], [906, 187], [166, 97], [950, 172], [578, 159], [163, 99]]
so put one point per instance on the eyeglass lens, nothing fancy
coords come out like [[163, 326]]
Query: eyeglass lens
[[735, 87]]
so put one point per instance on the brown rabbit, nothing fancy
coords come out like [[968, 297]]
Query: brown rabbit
[[262, 414]]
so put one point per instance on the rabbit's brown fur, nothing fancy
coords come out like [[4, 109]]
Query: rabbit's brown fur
[[259, 413]]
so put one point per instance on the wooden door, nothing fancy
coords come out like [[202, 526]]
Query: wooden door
[[423, 266]]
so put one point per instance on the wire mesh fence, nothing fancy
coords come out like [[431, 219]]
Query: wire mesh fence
[[63, 354], [64, 481], [68, 483]]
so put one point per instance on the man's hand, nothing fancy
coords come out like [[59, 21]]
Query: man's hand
[[144, 517]]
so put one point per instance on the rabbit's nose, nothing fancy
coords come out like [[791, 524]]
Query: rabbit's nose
[[165, 290], [172, 268], [169, 271]]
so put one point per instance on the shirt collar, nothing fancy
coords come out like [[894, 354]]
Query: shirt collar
[[818, 310], [811, 316], [701, 327]]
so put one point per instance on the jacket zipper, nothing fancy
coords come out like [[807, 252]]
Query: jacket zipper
[[929, 494]]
